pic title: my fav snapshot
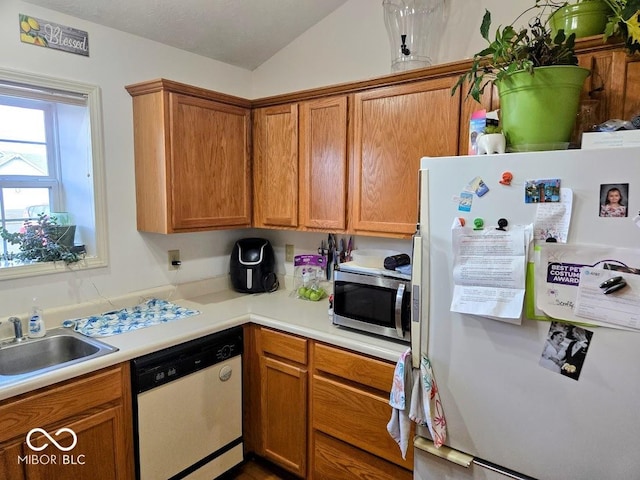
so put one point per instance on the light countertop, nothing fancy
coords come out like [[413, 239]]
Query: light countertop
[[219, 311]]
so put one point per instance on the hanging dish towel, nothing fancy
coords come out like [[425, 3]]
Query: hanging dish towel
[[426, 407], [399, 425]]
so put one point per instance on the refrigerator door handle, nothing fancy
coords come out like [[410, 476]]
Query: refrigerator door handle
[[449, 454], [416, 301], [464, 459], [501, 470], [399, 298]]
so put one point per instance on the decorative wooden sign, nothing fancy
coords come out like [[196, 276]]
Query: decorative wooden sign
[[44, 33]]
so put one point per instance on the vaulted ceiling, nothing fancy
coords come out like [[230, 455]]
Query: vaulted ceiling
[[244, 33]]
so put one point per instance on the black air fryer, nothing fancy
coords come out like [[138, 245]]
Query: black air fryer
[[252, 266]]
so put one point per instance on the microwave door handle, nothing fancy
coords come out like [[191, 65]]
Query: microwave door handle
[[399, 297]]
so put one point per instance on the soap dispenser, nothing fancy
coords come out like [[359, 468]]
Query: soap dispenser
[[36, 323]]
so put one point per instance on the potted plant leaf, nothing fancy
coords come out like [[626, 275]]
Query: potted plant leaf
[[624, 21], [537, 78], [44, 240]]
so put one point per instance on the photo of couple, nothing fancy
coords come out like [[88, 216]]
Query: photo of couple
[[565, 349]]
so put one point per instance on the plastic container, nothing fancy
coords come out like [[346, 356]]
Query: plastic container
[[36, 323]]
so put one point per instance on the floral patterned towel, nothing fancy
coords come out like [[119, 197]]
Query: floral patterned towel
[[426, 407], [151, 312]]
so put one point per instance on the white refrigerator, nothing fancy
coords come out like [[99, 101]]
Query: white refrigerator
[[507, 415]]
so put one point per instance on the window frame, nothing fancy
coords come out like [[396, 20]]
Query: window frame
[[93, 102]]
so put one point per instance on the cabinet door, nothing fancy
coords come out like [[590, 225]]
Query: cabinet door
[[11, 466], [209, 172], [614, 84], [284, 414], [323, 164], [628, 95], [394, 128], [98, 452], [276, 166]]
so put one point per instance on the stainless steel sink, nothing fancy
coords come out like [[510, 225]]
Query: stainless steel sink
[[59, 348]]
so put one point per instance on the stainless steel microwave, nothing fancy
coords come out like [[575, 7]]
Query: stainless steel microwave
[[372, 303]]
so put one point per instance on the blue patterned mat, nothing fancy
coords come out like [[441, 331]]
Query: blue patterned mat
[[152, 312]]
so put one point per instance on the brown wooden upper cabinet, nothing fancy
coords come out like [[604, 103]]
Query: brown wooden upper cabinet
[[340, 158], [192, 158], [275, 157], [394, 127], [323, 164], [300, 165], [614, 83]]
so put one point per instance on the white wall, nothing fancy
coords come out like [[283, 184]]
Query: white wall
[[137, 261], [352, 44]]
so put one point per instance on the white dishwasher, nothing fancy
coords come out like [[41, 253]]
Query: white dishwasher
[[187, 409]]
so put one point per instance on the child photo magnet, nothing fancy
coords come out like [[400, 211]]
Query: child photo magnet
[[614, 198]]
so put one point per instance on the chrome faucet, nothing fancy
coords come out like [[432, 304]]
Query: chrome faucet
[[17, 328]]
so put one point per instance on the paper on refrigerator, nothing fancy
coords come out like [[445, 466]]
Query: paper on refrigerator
[[621, 308], [553, 218], [558, 270], [489, 270]]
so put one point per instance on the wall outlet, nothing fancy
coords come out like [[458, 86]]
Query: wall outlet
[[174, 259], [288, 253]]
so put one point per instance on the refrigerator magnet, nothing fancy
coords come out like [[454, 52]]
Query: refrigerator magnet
[[541, 191], [478, 186], [506, 179], [465, 201]]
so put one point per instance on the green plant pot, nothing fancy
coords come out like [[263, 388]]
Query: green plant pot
[[64, 234], [584, 19], [538, 111]]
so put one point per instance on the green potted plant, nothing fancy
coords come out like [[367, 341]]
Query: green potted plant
[[537, 77], [44, 240], [624, 21], [582, 17]]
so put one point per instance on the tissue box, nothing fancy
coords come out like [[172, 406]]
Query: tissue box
[[621, 138]]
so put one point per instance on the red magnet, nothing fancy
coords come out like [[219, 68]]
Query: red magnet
[[506, 178]]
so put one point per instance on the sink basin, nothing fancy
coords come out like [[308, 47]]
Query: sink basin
[[59, 348]]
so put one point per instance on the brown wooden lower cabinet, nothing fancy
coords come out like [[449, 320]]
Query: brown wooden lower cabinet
[[284, 415], [283, 399], [322, 411], [357, 417], [349, 415], [336, 460], [9, 464], [96, 408]]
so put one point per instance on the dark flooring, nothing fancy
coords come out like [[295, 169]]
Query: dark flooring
[[258, 469]]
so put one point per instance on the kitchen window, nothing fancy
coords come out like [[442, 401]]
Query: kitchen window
[[50, 164]]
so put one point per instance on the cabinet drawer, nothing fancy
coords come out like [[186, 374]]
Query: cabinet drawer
[[283, 345], [357, 417], [50, 405], [354, 367], [336, 460]]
